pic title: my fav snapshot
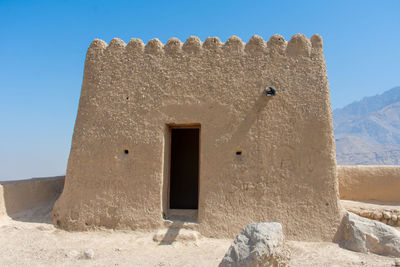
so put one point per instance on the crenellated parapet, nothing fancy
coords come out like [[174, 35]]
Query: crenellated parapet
[[298, 45]]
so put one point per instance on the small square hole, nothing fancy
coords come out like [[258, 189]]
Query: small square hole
[[239, 152], [126, 151]]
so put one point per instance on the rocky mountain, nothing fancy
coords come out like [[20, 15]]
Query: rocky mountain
[[368, 131]]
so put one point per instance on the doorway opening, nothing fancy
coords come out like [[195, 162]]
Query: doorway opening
[[184, 168]]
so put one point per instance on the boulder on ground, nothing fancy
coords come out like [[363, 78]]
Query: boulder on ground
[[259, 244], [365, 235]]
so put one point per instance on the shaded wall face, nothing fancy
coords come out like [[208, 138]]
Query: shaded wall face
[[130, 94], [2, 202], [20, 196]]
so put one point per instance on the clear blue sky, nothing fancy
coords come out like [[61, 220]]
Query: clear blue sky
[[43, 46]]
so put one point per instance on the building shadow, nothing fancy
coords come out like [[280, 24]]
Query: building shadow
[[170, 236]]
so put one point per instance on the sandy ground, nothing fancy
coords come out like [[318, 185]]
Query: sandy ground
[[28, 239]]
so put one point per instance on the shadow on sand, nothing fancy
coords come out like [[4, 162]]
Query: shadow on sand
[[170, 236]]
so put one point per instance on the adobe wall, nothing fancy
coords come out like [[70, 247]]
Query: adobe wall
[[369, 183], [2, 204], [132, 92], [21, 195]]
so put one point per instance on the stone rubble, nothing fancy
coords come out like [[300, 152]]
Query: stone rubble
[[389, 217]]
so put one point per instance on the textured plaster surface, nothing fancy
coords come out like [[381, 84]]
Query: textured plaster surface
[[2, 204], [369, 183], [132, 92], [20, 195]]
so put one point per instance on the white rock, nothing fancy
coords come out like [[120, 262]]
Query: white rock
[[394, 218], [387, 215], [378, 215], [365, 235], [259, 244], [88, 254], [72, 254]]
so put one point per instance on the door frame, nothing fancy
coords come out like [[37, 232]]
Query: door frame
[[169, 213]]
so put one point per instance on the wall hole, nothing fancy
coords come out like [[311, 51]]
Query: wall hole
[[126, 151], [127, 98], [239, 152], [270, 91]]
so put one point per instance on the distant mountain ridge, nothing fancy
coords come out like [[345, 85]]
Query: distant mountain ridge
[[370, 104], [368, 131]]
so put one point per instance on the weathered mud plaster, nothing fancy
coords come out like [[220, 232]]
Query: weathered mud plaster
[[369, 183], [22, 195], [131, 93], [2, 204]]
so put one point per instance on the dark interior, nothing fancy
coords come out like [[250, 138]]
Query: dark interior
[[184, 177]]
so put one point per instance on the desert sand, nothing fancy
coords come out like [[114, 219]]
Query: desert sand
[[29, 239]]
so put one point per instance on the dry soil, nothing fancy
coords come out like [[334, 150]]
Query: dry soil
[[29, 239]]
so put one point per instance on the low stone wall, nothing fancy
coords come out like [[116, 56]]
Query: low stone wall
[[369, 183], [388, 214], [17, 196]]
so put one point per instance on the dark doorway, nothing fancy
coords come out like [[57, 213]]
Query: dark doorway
[[184, 174]]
